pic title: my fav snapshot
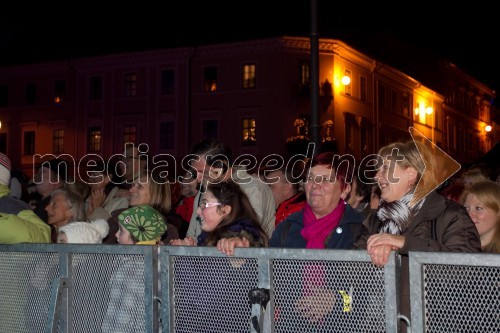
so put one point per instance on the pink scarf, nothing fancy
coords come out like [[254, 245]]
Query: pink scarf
[[316, 230]]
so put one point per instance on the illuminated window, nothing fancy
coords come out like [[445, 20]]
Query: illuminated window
[[59, 91], [210, 79], [167, 83], [347, 87], [130, 134], [58, 141], [249, 76], [248, 131], [95, 88], [304, 74], [130, 85], [94, 143]]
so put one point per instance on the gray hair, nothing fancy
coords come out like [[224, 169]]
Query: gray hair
[[75, 202]]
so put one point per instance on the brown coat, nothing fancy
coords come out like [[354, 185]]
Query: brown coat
[[454, 231]]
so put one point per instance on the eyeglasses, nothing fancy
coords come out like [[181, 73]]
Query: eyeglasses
[[204, 205], [319, 179]]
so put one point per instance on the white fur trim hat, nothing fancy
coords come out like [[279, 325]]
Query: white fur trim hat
[[86, 232], [5, 168]]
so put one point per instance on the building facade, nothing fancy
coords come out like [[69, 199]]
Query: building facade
[[253, 95]]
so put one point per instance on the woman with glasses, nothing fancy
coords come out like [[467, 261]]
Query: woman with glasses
[[325, 222], [224, 211]]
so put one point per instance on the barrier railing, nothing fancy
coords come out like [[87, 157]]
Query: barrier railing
[[116, 288], [455, 292]]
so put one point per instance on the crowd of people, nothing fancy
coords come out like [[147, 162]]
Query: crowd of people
[[319, 203]]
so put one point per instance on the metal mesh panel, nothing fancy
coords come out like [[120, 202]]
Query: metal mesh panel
[[210, 294], [313, 296], [25, 290], [91, 290], [125, 311], [461, 298]]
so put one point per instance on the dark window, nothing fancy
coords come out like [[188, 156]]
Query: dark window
[[130, 85], [210, 78], [130, 134], [95, 88], [405, 99], [94, 143], [167, 82], [249, 76], [381, 95], [248, 131], [3, 143], [4, 96], [59, 91], [30, 94], [210, 129], [29, 143], [362, 88], [167, 133], [395, 101], [58, 141]]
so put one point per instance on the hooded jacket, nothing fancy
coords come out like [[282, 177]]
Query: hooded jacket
[[18, 223]]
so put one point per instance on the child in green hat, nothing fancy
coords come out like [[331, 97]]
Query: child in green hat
[[140, 225]]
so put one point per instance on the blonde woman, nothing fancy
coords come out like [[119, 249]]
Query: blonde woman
[[411, 217], [482, 202]]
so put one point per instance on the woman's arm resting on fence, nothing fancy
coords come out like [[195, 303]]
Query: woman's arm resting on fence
[[188, 241], [227, 245]]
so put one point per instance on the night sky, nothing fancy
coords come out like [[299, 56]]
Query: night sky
[[467, 36]]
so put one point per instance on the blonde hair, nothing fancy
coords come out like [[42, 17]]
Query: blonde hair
[[488, 192], [159, 190], [414, 155]]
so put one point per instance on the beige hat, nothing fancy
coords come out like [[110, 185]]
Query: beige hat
[[86, 232]]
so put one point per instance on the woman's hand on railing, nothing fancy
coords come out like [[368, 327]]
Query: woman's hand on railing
[[188, 241], [379, 247], [227, 245]]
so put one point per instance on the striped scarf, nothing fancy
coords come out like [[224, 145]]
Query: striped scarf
[[396, 216]]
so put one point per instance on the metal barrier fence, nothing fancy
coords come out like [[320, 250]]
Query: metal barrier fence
[[77, 288], [209, 291], [455, 292], [116, 288]]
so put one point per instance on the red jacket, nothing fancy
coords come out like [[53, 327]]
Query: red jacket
[[290, 206], [185, 209]]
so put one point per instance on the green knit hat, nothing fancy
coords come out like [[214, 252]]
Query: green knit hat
[[145, 223]]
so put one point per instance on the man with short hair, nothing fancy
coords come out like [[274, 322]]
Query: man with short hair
[[212, 162], [287, 193]]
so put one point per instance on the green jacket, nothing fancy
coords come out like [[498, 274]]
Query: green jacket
[[21, 227]]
